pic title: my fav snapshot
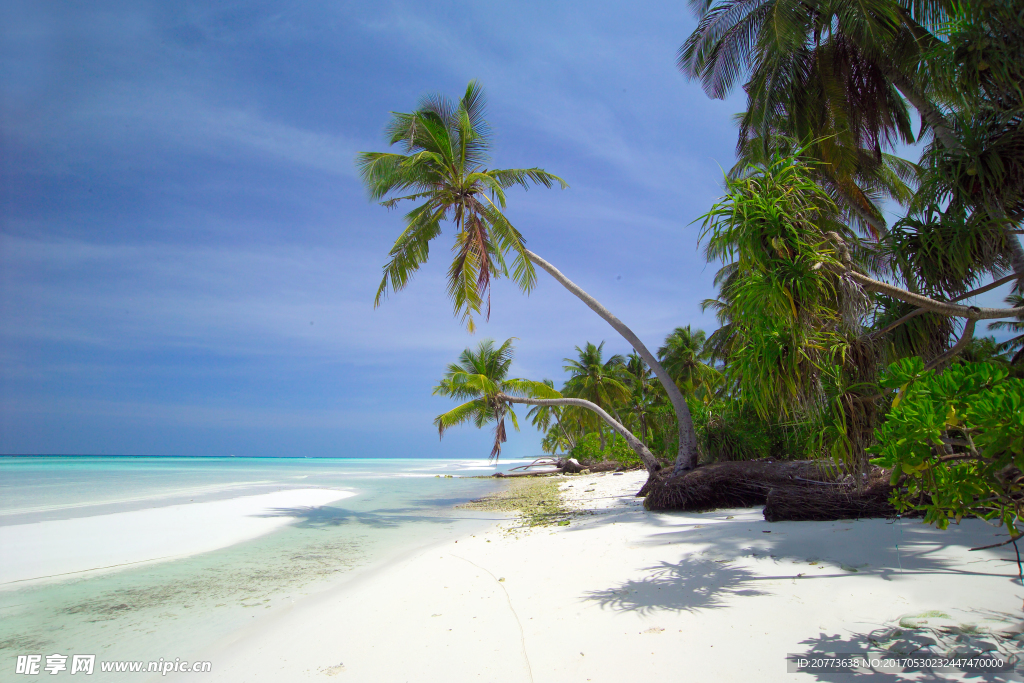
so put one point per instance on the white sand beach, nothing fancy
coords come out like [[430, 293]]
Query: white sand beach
[[623, 594], [48, 550]]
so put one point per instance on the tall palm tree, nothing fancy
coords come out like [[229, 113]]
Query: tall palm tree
[[642, 392], [834, 72], [597, 380], [829, 66], [446, 146], [481, 375]]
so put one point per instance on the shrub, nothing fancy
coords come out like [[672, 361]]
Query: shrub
[[955, 442]]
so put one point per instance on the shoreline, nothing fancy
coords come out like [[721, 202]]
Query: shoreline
[[621, 593], [55, 550]]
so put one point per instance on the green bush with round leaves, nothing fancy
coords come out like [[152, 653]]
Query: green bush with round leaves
[[955, 442]]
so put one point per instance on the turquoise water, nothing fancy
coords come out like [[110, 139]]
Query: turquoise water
[[185, 607]]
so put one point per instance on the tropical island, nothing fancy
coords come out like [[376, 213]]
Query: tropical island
[[823, 480]]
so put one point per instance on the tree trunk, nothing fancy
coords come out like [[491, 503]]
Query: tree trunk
[[686, 458], [928, 111], [650, 462], [943, 307]]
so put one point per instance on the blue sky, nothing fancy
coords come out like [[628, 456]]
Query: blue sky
[[187, 258]]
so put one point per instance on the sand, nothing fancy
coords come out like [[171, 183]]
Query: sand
[[82, 546], [623, 594]]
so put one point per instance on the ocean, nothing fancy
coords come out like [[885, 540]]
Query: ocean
[[183, 607]]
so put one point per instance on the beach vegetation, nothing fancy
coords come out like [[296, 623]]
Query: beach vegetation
[[955, 442], [481, 375]]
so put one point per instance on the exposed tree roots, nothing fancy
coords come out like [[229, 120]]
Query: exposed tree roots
[[789, 490]]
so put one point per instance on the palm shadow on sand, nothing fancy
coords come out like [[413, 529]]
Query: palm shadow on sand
[[687, 586]]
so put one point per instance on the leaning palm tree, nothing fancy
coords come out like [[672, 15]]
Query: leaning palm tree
[[445, 167], [446, 151], [481, 376]]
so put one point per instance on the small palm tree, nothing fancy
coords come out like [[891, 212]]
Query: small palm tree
[[642, 392], [481, 376], [683, 356], [446, 147]]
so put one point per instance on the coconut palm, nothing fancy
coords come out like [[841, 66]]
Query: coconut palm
[[833, 72], [446, 146], [814, 75], [683, 355], [444, 166], [642, 393], [820, 66], [542, 418], [597, 380], [481, 375]]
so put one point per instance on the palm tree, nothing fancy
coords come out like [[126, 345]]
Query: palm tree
[[825, 66], [597, 380], [642, 393], [446, 151], [444, 165], [480, 376], [833, 72], [683, 356]]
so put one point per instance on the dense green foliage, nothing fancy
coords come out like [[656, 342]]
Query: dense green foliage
[[589, 449], [955, 441]]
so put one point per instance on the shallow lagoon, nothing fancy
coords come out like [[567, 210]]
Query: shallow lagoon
[[180, 608]]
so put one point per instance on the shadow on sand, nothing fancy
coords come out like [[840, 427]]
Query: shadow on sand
[[687, 586], [735, 552]]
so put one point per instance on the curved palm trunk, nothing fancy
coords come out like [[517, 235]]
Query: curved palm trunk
[[686, 458], [921, 311], [943, 307], [650, 462]]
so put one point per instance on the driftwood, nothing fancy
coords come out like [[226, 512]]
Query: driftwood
[[553, 465], [793, 490]]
